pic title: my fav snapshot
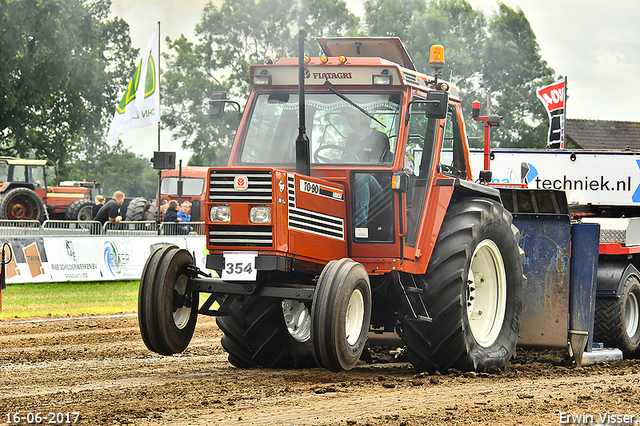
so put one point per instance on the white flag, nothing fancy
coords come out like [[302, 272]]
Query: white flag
[[140, 104]]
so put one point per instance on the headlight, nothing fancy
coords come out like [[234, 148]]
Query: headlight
[[261, 80], [382, 80], [220, 214], [260, 214]]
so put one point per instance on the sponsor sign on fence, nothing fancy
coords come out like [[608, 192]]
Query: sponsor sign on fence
[[89, 258]]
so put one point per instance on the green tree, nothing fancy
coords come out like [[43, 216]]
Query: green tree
[[119, 170], [392, 18], [230, 38], [496, 55], [461, 30], [61, 64], [513, 69]]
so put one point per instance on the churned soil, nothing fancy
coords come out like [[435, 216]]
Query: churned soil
[[99, 367]]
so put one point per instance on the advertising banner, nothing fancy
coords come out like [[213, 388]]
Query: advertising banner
[[88, 258], [72, 259], [597, 178], [554, 98]]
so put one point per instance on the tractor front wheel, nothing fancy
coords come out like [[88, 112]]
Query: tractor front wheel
[[340, 314], [167, 308]]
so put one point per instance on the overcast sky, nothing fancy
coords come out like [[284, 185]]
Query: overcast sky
[[594, 43]]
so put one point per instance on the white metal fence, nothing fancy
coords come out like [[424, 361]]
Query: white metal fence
[[17, 228]]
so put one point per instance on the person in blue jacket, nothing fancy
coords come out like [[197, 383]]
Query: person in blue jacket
[[184, 216]]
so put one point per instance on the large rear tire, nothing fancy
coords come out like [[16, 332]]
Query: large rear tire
[[256, 333], [167, 309], [21, 204], [473, 290], [340, 314], [138, 210], [79, 210], [617, 319]]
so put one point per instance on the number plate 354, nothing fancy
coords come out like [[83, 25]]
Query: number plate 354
[[239, 267]]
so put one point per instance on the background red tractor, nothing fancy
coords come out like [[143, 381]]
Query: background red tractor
[[25, 194]]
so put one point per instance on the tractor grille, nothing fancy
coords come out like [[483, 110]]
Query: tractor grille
[[221, 187], [258, 191], [240, 236]]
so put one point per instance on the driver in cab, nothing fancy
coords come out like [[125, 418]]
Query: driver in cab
[[369, 145]]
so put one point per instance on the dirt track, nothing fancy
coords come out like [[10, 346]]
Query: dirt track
[[100, 368]]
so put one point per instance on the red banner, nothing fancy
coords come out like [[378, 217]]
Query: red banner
[[553, 97]]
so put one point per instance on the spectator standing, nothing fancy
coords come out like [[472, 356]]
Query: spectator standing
[[184, 216], [99, 202], [164, 205], [171, 216], [110, 211]]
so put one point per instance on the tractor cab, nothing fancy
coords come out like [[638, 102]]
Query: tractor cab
[[372, 123]]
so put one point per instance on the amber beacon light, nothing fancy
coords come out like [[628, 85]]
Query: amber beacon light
[[436, 57]]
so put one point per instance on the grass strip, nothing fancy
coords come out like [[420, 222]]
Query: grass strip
[[69, 298]]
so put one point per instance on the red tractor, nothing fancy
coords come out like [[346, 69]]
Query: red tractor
[[26, 195], [321, 239]]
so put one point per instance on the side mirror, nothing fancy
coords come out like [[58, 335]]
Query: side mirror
[[195, 210], [437, 102], [216, 104]]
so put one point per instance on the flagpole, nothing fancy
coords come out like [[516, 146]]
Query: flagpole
[[159, 74], [158, 214], [564, 113]]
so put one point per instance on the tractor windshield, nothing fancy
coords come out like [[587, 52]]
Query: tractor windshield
[[339, 130]]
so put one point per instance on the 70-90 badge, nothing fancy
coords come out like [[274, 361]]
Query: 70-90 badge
[[317, 189]]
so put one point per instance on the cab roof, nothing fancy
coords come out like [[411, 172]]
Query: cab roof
[[22, 162], [389, 48]]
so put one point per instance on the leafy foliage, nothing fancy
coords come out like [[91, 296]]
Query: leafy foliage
[[62, 64], [495, 55], [119, 169]]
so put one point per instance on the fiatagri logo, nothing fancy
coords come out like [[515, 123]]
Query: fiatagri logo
[[592, 184], [114, 259], [327, 75]]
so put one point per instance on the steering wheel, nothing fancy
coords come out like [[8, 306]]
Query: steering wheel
[[318, 158]]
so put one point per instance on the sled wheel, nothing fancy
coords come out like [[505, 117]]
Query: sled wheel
[[340, 314], [79, 210], [21, 204], [473, 291], [617, 319], [257, 334], [167, 309]]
